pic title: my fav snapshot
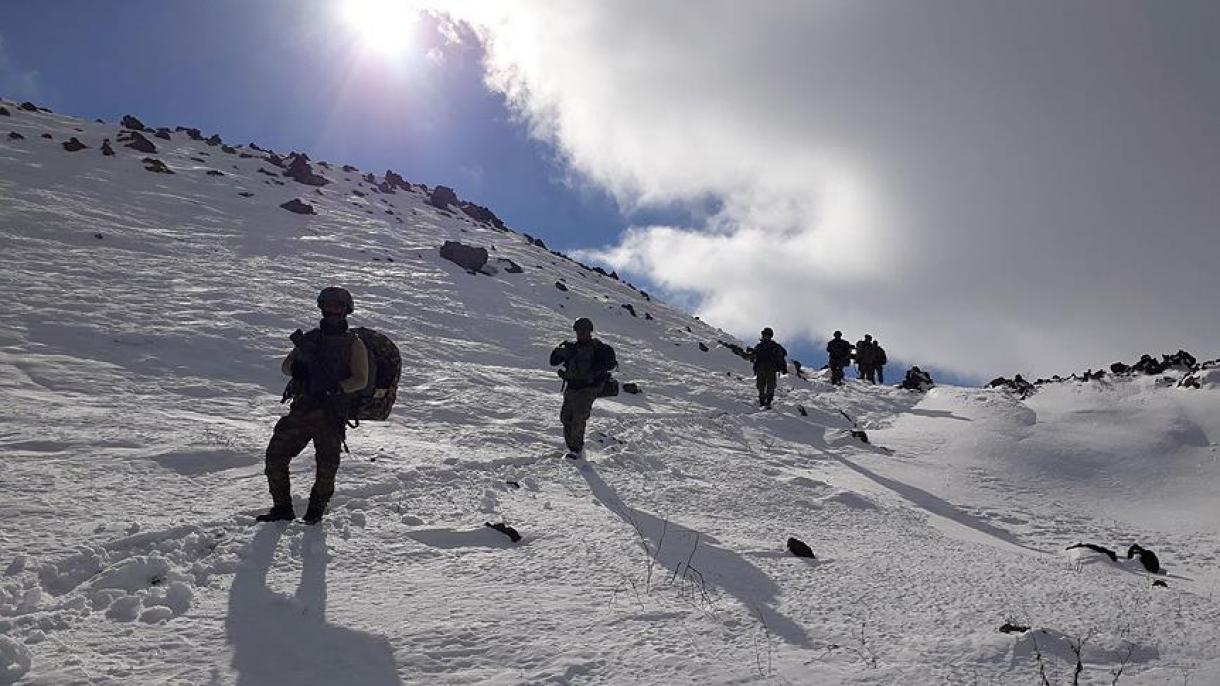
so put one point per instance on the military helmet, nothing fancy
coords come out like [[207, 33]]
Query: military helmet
[[767, 332], [336, 294], [838, 334], [583, 324]]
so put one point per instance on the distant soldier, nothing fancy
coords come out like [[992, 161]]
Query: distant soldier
[[879, 362], [866, 359], [839, 353], [770, 359], [587, 364]]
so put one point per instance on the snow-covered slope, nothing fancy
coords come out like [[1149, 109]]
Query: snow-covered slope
[[145, 315]]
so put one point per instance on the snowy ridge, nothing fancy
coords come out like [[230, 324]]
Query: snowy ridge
[[139, 382]]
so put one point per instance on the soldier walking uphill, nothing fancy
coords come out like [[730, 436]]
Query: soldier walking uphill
[[839, 352], [327, 365], [866, 359], [587, 364], [770, 359]]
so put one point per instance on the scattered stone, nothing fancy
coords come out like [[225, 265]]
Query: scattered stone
[[14, 136], [163, 134], [298, 207], [28, 106], [469, 257], [73, 145], [800, 548], [130, 122], [4, 112], [215, 172], [504, 529], [153, 164], [632, 388], [48, 136], [214, 140], [703, 347], [141, 144], [246, 194], [1010, 628], [106, 149], [561, 286]]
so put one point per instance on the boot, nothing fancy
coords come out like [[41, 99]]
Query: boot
[[313, 513], [278, 513]]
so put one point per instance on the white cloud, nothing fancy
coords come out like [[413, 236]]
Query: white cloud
[[987, 187]]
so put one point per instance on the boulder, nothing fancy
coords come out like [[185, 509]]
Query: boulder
[[28, 106], [215, 172], [47, 136], [130, 122], [214, 140], [73, 145], [396, 180], [703, 347], [509, 266], [298, 207], [799, 548], [481, 214], [442, 197], [4, 112], [469, 257], [301, 172], [1119, 368], [228, 149], [141, 144], [163, 134], [107, 151], [14, 136], [153, 164], [504, 529], [630, 308], [347, 167], [561, 285], [632, 388]]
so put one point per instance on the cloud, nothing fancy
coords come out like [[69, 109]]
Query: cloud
[[15, 81], [988, 187]]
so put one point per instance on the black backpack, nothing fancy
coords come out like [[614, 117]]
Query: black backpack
[[375, 401]]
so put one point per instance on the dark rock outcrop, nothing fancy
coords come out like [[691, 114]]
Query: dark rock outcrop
[[215, 172], [28, 106], [141, 144], [442, 197], [228, 149], [106, 149], [469, 257], [482, 214], [632, 388], [163, 134], [1017, 385], [4, 112], [504, 529], [14, 136], [630, 308], [153, 164], [561, 285], [301, 172], [800, 548], [214, 140], [47, 136], [298, 207], [130, 122], [73, 145]]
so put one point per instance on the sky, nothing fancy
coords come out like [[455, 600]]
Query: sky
[[987, 188]]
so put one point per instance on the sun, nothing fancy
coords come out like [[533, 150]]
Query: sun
[[382, 25]]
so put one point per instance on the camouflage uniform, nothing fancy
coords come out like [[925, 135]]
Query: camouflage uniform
[[587, 365], [325, 369], [769, 360]]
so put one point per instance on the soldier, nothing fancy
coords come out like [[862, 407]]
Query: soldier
[[770, 359], [587, 364], [866, 359], [879, 363], [327, 366], [839, 352]]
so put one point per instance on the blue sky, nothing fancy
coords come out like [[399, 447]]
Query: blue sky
[[988, 188]]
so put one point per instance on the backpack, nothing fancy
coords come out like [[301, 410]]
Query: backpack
[[375, 401]]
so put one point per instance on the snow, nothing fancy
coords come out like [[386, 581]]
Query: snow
[[139, 381]]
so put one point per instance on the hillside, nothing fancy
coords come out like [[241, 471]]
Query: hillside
[[139, 380]]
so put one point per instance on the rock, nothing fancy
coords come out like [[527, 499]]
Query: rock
[[860, 434], [28, 106], [396, 180], [1160, 583], [1010, 628], [163, 134], [47, 136], [266, 172], [214, 140], [301, 172], [194, 134], [215, 172], [800, 548], [1016, 385], [648, 317], [385, 187], [347, 167], [630, 308], [130, 122], [561, 286], [98, 236], [14, 136], [632, 388], [4, 112], [703, 347], [358, 193], [442, 197], [153, 164], [254, 146], [1148, 365], [73, 145], [246, 194], [141, 144], [482, 214], [802, 410], [106, 149], [1119, 368], [228, 149], [509, 266], [468, 257], [1147, 558], [298, 207], [504, 529]]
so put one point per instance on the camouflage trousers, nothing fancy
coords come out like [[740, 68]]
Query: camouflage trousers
[[766, 387], [292, 433], [577, 406]]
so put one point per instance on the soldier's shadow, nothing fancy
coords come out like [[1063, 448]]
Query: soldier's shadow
[[285, 639]]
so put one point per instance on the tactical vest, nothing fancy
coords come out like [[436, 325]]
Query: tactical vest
[[328, 360]]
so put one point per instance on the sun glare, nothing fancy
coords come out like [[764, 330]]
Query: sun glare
[[382, 25]]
